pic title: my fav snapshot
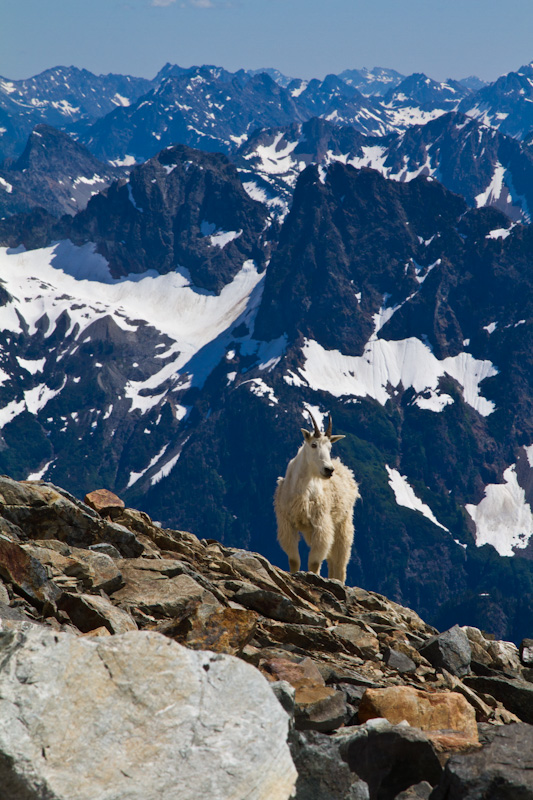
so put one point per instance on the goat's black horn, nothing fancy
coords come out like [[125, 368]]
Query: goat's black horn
[[330, 426], [315, 426]]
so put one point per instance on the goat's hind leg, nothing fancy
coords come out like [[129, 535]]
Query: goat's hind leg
[[340, 552], [321, 542], [288, 538]]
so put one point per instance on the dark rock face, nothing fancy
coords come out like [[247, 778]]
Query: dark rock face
[[390, 758], [502, 769], [449, 650], [54, 172], [170, 213], [322, 774], [516, 695]]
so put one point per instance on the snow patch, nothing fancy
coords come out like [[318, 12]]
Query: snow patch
[[385, 364], [503, 518], [494, 189], [405, 496], [6, 186], [39, 475]]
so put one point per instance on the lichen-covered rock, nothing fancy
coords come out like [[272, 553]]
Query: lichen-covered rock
[[136, 717]]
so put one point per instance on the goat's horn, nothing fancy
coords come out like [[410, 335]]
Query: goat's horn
[[330, 425], [317, 429]]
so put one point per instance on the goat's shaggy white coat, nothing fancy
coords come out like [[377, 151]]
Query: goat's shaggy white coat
[[316, 498]]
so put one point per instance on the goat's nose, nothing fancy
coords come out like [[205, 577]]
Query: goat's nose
[[329, 471]]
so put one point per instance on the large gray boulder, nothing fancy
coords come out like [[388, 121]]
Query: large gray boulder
[[136, 717]]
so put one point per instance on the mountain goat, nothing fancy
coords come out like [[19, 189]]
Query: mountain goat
[[316, 498]]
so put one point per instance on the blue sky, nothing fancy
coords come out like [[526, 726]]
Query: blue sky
[[303, 38]]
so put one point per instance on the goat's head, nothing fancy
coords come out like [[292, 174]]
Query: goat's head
[[318, 448]]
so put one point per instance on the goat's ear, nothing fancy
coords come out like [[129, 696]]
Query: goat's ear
[[336, 438], [307, 434]]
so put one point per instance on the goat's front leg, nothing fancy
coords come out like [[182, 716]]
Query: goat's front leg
[[321, 542], [288, 538]]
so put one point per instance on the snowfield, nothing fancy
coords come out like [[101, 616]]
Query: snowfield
[[404, 363]]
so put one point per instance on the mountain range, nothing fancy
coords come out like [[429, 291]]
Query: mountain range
[[165, 324]]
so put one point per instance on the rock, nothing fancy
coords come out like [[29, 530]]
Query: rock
[[526, 652], [482, 709], [449, 650], [138, 717], [27, 574], [89, 612], [503, 769], [285, 694], [516, 695], [358, 641], [302, 636], [93, 570], [276, 606], [104, 502], [420, 791], [105, 547], [322, 774], [447, 718], [319, 708], [298, 673], [157, 588], [222, 630], [398, 660], [389, 758], [504, 656], [44, 511], [4, 594]]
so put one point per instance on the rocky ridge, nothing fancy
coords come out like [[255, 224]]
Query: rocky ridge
[[375, 702]]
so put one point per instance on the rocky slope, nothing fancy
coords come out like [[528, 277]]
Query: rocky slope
[[99, 606]]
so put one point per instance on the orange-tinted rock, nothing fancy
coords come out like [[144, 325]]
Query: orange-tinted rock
[[104, 502], [27, 573], [446, 717], [225, 630], [298, 674]]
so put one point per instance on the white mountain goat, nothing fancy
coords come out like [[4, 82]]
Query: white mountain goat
[[316, 498]]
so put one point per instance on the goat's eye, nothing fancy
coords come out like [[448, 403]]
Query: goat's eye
[[314, 445]]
